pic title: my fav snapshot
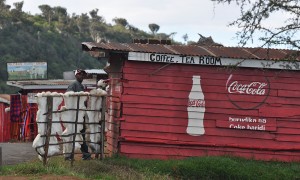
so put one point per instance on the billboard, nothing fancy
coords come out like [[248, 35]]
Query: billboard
[[27, 71]]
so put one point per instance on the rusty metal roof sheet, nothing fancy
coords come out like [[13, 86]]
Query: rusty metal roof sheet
[[196, 50], [49, 84]]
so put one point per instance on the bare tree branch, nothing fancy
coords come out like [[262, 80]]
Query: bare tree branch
[[255, 13]]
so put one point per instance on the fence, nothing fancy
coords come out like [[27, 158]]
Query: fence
[[60, 119]]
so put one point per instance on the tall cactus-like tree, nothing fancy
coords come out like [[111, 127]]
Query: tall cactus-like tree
[[185, 37], [153, 28]]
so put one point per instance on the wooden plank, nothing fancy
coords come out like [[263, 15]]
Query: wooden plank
[[194, 69], [182, 114], [288, 137], [222, 135], [210, 92], [134, 148], [289, 123], [211, 106], [174, 121], [250, 154], [285, 86], [191, 68], [210, 99], [279, 112], [286, 130], [206, 78], [212, 135], [289, 93], [138, 143]]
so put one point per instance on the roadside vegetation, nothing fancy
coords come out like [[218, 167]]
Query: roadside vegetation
[[125, 168]]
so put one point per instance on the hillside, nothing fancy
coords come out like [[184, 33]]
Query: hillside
[[55, 37]]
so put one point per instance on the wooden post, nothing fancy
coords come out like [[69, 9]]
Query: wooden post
[[75, 132], [49, 124], [103, 126]]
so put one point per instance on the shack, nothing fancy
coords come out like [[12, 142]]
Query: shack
[[176, 101]]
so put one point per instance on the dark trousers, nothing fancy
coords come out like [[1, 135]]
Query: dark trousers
[[84, 148]]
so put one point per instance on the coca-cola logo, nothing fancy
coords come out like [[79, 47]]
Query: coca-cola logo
[[247, 94], [196, 103], [253, 88]]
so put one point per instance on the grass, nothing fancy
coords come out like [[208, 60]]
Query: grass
[[125, 168]]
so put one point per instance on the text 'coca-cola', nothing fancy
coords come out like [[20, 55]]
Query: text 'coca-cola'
[[253, 88], [196, 103]]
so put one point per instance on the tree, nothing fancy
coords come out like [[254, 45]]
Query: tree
[[4, 14], [171, 35], [121, 21], [59, 12], [47, 12], [97, 31], [16, 13], [95, 17], [83, 23], [185, 37], [255, 13], [153, 28]]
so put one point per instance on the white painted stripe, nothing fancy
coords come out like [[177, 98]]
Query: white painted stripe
[[213, 61]]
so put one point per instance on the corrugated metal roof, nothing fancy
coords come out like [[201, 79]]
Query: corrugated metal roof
[[196, 50], [49, 84]]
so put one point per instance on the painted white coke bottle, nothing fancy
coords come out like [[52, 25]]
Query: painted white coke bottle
[[196, 109]]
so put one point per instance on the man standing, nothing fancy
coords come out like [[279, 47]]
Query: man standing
[[77, 86]]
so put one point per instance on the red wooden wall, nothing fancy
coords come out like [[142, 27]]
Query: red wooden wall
[[4, 123], [251, 113]]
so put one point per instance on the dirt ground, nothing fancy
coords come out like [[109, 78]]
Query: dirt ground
[[14, 153]]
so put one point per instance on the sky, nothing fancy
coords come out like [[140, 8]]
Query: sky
[[181, 16]]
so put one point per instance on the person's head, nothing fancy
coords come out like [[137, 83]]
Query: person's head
[[80, 74]]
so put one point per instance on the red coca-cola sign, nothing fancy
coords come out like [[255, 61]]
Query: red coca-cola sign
[[247, 93]]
